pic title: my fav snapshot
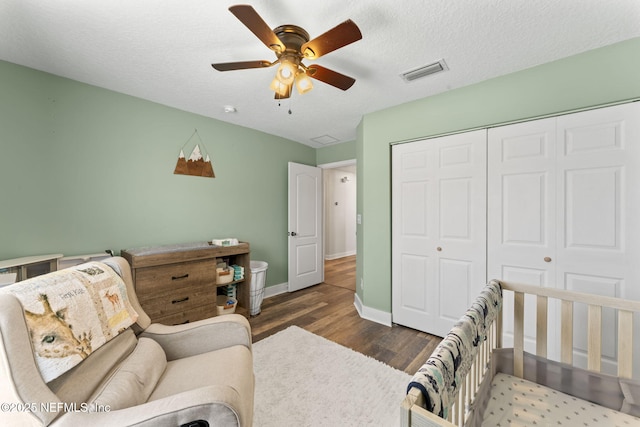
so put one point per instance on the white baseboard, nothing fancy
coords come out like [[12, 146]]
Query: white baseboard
[[372, 314], [329, 257], [271, 291]]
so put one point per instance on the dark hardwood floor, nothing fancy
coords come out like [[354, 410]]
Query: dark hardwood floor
[[328, 310], [341, 272]]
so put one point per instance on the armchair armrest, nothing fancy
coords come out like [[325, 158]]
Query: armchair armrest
[[219, 403], [203, 336]]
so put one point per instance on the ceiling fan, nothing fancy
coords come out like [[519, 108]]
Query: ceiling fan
[[291, 45]]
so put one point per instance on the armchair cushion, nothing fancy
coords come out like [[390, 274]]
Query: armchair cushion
[[134, 380], [78, 384], [202, 336], [233, 384]]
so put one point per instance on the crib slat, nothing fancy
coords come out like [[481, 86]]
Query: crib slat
[[498, 323], [625, 343], [518, 334], [470, 394], [594, 343], [462, 397], [541, 325], [566, 332]]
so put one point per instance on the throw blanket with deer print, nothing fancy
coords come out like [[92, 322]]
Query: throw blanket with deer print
[[441, 376], [71, 313]]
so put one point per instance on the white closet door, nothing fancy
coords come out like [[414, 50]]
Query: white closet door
[[438, 229], [521, 209], [598, 199], [563, 203]]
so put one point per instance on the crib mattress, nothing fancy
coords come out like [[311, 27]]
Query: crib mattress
[[517, 402]]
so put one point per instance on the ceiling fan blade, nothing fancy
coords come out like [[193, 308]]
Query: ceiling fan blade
[[337, 37], [250, 18], [330, 77], [229, 66]]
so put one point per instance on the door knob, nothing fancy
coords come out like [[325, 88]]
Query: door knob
[[293, 233], [439, 249], [547, 259]]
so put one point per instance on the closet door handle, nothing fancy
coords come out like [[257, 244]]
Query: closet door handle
[[547, 259]]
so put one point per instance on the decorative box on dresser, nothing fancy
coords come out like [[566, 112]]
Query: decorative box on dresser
[[177, 283]]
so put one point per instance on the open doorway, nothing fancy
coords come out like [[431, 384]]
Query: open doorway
[[339, 180]]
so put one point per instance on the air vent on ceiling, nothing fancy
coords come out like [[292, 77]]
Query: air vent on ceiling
[[324, 139], [424, 71]]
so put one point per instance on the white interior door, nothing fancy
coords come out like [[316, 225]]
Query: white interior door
[[438, 229], [306, 254]]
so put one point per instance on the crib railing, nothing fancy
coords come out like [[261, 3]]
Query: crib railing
[[412, 408], [568, 299]]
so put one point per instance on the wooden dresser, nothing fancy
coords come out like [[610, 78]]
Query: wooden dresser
[[177, 283]]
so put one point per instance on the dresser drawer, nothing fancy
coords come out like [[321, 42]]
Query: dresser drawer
[[188, 316], [160, 304], [177, 283], [167, 277]]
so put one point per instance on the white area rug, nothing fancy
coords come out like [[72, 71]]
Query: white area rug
[[305, 380]]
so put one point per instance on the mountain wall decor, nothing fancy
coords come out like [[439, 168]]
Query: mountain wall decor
[[195, 165]]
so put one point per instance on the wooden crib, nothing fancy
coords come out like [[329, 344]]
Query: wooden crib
[[468, 401]]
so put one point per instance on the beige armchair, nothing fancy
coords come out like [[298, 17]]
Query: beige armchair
[[196, 374]]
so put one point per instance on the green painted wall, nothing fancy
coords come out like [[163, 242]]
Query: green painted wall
[[83, 169], [597, 77], [336, 153]]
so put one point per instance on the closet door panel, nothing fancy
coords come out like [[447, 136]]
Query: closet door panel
[[438, 229], [562, 203], [521, 198], [598, 158], [521, 229], [414, 230]]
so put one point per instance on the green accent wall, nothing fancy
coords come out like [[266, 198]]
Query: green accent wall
[[336, 153], [84, 169], [598, 77]]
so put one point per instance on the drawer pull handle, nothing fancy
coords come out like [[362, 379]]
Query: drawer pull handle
[[176, 301], [180, 277], [181, 323]]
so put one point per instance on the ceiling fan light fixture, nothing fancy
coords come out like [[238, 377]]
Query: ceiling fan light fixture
[[286, 72], [278, 87], [303, 83]]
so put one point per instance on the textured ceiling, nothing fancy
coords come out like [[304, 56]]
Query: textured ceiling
[[161, 50]]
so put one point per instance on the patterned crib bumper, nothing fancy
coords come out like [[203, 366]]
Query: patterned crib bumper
[[442, 374]]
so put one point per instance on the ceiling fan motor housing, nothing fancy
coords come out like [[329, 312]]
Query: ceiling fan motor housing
[[293, 37]]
